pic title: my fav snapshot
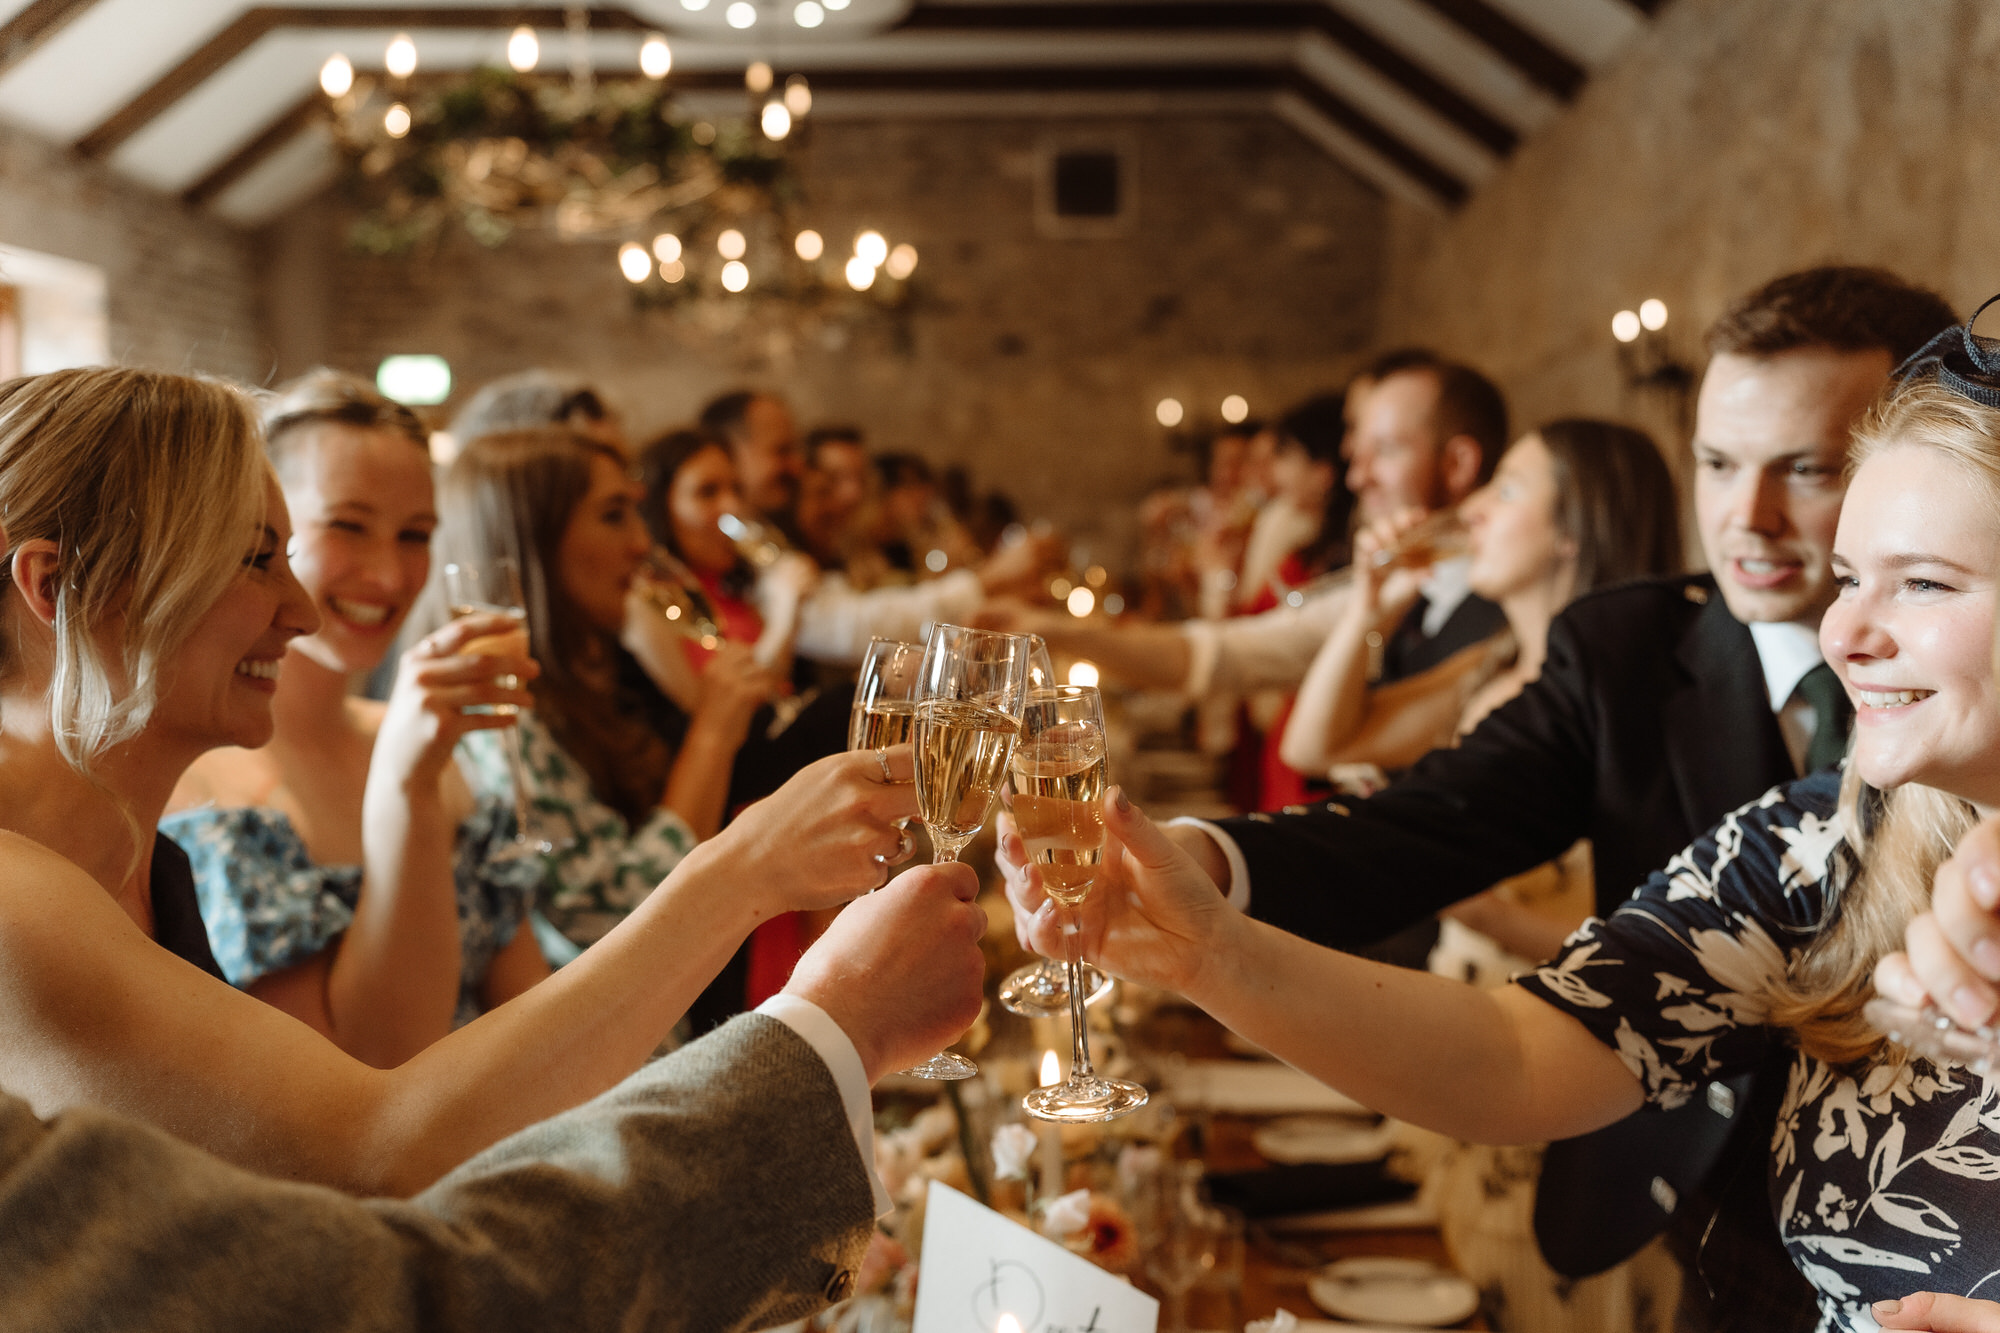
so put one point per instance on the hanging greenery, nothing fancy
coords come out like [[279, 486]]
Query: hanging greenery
[[495, 152]]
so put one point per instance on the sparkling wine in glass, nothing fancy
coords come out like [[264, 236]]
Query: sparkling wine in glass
[[495, 590], [672, 589], [1061, 770], [1438, 537], [1041, 989], [972, 684], [885, 708]]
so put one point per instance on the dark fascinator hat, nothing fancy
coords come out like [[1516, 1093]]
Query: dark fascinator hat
[[1966, 364]]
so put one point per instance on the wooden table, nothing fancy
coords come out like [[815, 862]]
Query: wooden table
[[1272, 1280]]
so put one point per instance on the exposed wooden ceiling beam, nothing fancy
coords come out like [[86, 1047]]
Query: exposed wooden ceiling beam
[[1539, 62], [34, 25], [1257, 15], [1447, 187], [1280, 15]]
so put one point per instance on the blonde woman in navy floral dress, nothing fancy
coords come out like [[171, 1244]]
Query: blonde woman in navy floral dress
[[1884, 1171]]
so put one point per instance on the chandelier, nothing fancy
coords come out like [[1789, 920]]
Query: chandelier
[[704, 207]]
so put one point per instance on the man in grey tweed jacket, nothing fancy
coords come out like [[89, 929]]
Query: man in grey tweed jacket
[[717, 1189]]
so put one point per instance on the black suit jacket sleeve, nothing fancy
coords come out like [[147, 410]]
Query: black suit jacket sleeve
[[1518, 791]]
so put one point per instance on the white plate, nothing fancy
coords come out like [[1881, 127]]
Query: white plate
[[1312, 1138], [1389, 1290]]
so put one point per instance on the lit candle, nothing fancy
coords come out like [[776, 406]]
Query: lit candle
[[1050, 1134]]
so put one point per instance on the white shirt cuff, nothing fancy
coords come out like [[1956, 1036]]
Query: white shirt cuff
[[1239, 869], [834, 1047], [1204, 651]]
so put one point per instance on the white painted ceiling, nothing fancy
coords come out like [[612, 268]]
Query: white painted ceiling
[[68, 79]]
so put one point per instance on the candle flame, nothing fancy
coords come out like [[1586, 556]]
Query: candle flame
[[1051, 1074], [1008, 1324]]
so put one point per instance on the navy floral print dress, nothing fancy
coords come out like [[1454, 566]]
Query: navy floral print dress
[[1883, 1181]]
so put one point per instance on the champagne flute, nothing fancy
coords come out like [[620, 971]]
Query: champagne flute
[[1041, 989], [1440, 536], [672, 589], [1060, 773], [496, 590], [885, 709], [973, 684]]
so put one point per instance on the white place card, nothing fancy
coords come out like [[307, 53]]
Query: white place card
[[982, 1272]]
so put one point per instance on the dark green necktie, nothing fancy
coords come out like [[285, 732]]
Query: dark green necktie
[[1831, 715]]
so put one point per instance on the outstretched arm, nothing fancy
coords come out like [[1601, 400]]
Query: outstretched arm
[[1519, 1070], [96, 1013]]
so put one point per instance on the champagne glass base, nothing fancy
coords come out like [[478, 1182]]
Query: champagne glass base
[[1085, 1101], [1040, 990], [944, 1066]]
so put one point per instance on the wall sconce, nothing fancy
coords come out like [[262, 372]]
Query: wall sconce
[[1646, 356]]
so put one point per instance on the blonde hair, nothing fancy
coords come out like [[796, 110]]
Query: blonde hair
[[152, 488], [1901, 837]]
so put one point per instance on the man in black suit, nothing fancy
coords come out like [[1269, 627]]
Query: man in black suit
[[1662, 706]]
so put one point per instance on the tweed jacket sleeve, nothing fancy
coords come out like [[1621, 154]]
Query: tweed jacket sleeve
[[717, 1189]]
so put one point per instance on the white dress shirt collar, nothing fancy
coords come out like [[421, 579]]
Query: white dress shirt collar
[[1445, 589], [1786, 651]]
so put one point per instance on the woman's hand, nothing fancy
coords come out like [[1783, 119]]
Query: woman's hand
[[733, 687], [1951, 953], [436, 682], [1154, 917], [826, 835], [1931, 1312]]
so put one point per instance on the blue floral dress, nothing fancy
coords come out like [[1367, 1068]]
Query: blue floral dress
[[268, 907], [1883, 1181]]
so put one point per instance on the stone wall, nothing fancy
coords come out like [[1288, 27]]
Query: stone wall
[[1731, 142], [1251, 266], [182, 289]]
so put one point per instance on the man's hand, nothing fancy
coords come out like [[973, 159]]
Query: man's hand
[[1930, 1312], [1952, 952], [900, 970]]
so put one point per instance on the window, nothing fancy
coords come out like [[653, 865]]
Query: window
[[53, 311]]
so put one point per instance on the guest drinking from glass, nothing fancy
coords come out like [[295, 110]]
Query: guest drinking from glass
[[344, 868]]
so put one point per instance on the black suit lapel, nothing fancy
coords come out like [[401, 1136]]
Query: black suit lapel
[[1723, 743]]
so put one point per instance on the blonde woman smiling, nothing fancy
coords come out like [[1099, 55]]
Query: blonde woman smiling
[[147, 617]]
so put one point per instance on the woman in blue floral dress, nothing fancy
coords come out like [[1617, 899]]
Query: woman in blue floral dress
[[1758, 941], [344, 870]]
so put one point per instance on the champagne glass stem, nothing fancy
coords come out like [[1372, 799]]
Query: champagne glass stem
[[1072, 930], [517, 770]]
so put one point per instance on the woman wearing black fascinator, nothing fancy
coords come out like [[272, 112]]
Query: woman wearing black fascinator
[[1760, 941]]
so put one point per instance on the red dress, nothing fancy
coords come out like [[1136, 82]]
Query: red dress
[[778, 944], [1258, 779]]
